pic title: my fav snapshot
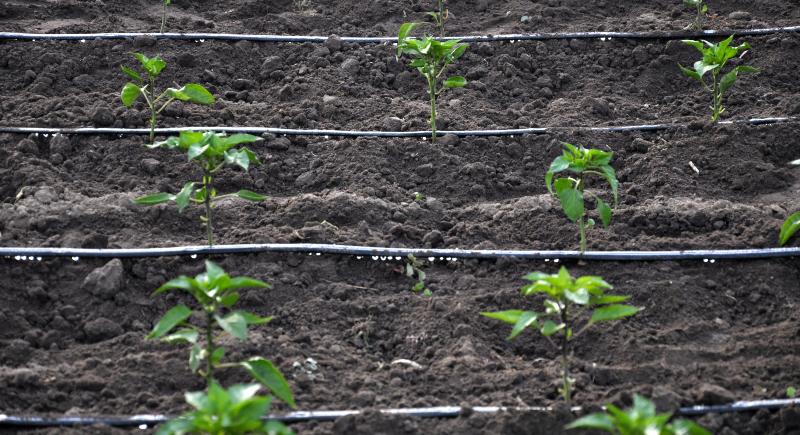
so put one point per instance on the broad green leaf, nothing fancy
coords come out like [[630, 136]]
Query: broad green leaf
[[608, 299], [550, 327], [131, 73], [229, 299], [789, 227], [217, 355], [170, 320], [196, 150], [180, 283], [185, 335], [154, 66], [130, 92], [691, 73], [611, 178], [728, 80], [234, 324], [605, 212], [264, 371], [242, 392], [459, 51], [213, 272], [571, 203], [197, 94], [688, 427], [696, 44], [455, 82], [405, 29], [579, 296], [613, 312], [593, 421], [526, 319], [253, 319], [156, 198], [182, 198], [508, 316], [551, 307], [250, 195], [703, 68]]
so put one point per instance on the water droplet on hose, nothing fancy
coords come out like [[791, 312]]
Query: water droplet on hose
[[193, 256], [76, 258]]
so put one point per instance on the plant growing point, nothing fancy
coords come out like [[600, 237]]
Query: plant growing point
[[641, 419], [211, 151], [146, 88], [414, 267], [568, 302], [570, 191], [715, 58], [431, 58]]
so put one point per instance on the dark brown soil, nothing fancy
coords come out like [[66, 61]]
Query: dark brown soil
[[710, 333]]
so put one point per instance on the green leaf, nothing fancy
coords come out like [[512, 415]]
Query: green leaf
[[230, 299], [131, 73], [526, 319], [182, 198], [605, 212], [791, 392], [459, 51], [563, 184], [253, 319], [171, 319], [508, 316], [550, 327], [455, 82], [250, 195], [688, 427], [185, 335], [571, 203], [156, 198], [696, 44], [789, 227], [593, 421], [245, 282], [130, 92], [216, 355], [579, 296], [405, 29], [179, 283], [195, 358], [234, 324], [613, 312], [198, 94], [196, 150], [264, 371]]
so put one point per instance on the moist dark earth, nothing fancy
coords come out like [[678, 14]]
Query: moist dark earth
[[710, 333]]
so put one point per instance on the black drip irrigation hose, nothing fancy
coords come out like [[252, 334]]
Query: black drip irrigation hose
[[379, 253], [390, 39], [368, 133], [144, 421]]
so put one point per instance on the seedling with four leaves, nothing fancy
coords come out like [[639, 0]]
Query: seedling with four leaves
[[701, 8], [431, 58], [211, 151], [568, 302], [570, 191], [641, 419], [146, 88], [216, 293], [715, 58]]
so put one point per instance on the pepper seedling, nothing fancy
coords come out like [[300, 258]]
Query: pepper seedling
[[440, 16], [641, 419], [414, 267], [715, 58], [570, 191], [164, 14], [701, 8], [568, 302], [235, 411], [431, 58], [216, 293], [152, 66], [211, 151]]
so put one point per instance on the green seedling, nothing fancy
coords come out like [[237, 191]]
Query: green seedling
[[431, 58], [419, 197], [414, 267], [216, 293], [641, 419], [164, 14], [701, 8], [791, 392], [235, 411], [146, 88], [568, 303], [440, 16], [570, 191], [715, 58], [211, 151]]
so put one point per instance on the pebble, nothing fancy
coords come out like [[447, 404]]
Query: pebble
[[105, 281]]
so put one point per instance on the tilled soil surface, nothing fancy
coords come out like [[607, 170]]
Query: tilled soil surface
[[71, 343]]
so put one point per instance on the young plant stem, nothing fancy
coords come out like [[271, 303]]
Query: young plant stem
[[209, 346], [432, 90], [699, 17], [441, 18], [565, 358], [164, 17], [151, 102], [717, 99], [208, 186], [582, 228]]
